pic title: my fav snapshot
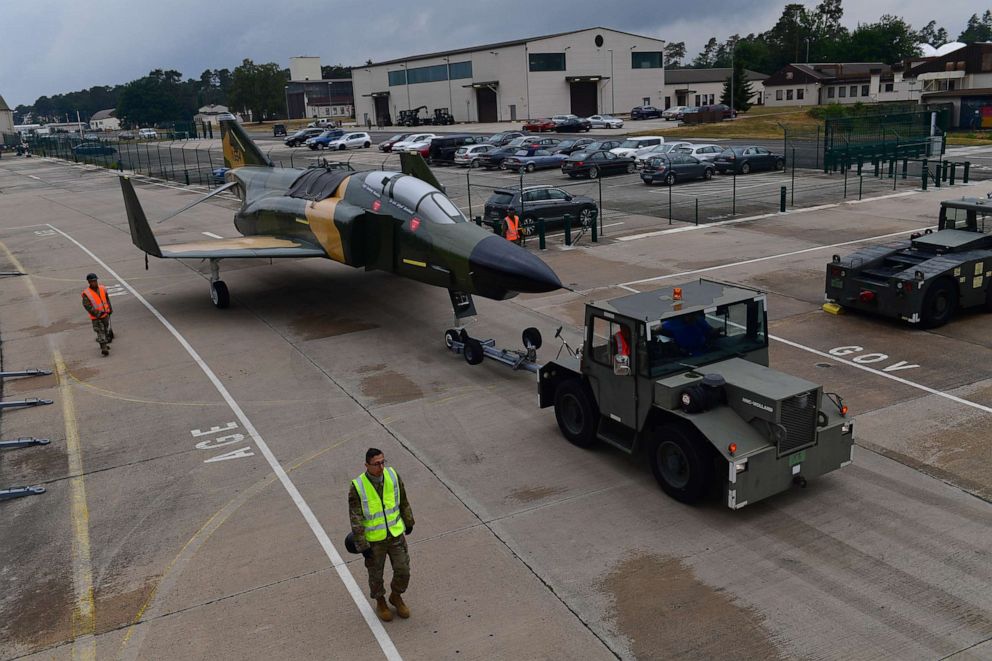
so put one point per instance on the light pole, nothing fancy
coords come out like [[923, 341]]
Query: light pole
[[451, 103], [632, 57], [613, 98], [807, 50], [406, 79], [733, 78]]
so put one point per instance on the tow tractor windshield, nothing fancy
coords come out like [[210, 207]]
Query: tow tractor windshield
[[703, 337]]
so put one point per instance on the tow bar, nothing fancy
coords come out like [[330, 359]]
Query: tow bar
[[475, 350]]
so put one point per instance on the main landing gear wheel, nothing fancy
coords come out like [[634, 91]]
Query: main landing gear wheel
[[576, 414], [219, 294], [680, 463]]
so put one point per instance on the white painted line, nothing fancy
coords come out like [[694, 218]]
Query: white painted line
[[770, 257], [34, 177], [906, 382], [385, 642], [211, 235], [882, 197]]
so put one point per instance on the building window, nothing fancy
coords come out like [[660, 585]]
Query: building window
[[547, 61], [397, 77], [697, 100], [854, 91], [830, 92], [864, 90], [711, 99], [430, 74], [778, 95], [788, 95], [788, 75], [668, 102], [646, 101], [842, 92], [460, 70], [645, 60], [801, 93], [888, 87]]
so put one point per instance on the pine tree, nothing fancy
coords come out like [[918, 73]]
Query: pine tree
[[742, 89]]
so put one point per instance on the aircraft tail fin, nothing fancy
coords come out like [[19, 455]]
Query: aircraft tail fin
[[414, 164], [141, 233], [239, 149]]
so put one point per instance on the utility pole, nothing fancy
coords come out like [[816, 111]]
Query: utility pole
[[613, 98]]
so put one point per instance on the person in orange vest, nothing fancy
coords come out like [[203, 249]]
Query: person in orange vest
[[512, 226], [96, 302]]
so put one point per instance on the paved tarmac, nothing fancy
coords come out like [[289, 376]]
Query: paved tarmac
[[197, 477]]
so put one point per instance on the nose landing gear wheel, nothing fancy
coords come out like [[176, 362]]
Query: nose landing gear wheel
[[219, 294]]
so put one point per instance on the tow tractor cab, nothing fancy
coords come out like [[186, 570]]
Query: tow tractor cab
[[925, 279], [684, 371]]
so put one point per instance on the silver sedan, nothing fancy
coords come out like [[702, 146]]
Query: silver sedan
[[605, 122]]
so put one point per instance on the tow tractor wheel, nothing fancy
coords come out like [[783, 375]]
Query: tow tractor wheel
[[531, 338], [576, 413], [473, 351], [680, 464], [450, 337], [939, 303], [219, 294]]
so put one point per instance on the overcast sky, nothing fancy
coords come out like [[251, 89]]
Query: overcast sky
[[61, 45]]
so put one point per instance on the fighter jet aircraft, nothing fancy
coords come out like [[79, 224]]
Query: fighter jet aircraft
[[400, 222]]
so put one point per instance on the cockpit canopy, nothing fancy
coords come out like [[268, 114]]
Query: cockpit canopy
[[415, 195]]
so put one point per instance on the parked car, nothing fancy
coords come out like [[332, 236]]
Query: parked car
[[125, 135], [686, 110], [558, 119], [603, 145], [746, 159], [573, 125], [702, 152], [471, 155], [412, 139], [534, 202], [722, 108], [605, 122], [301, 136], [91, 136], [595, 163], [642, 155], [359, 140], [147, 134], [324, 139], [629, 146], [527, 160], [493, 158], [500, 139], [322, 123], [645, 112], [539, 125], [673, 167], [673, 113], [387, 144], [93, 149], [218, 174], [543, 143], [443, 147], [278, 129], [569, 146]]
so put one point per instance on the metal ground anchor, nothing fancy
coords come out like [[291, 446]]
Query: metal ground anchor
[[20, 492], [27, 372], [23, 443], [24, 403]]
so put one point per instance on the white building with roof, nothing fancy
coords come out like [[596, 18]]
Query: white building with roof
[[584, 72], [6, 117], [104, 120]]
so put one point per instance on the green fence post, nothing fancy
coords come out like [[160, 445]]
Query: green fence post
[[542, 242], [925, 172], [945, 170], [594, 228], [781, 199], [186, 172], [937, 173], [733, 203], [905, 168], [964, 175], [697, 211], [669, 205], [874, 163], [954, 166], [568, 229], [861, 183], [845, 185]]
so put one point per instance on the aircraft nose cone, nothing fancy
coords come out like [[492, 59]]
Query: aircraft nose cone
[[500, 267]]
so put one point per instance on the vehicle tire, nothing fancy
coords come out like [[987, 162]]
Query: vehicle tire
[[474, 163], [680, 462], [366, 145], [670, 179], [745, 168], [313, 147], [988, 298], [502, 166], [450, 337], [707, 174], [585, 216], [631, 168], [473, 351], [939, 303], [594, 172], [528, 225], [779, 164], [219, 294], [341, 147], [529, 167], [572, 175], [576, 413]]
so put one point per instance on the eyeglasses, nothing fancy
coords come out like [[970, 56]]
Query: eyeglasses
[[378, 463]]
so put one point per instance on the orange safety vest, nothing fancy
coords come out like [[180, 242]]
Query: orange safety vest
[[512, 228], [623, 348], [99, 300]]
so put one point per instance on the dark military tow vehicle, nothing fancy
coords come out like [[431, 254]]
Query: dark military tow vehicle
[[707, 406], [925, 279]]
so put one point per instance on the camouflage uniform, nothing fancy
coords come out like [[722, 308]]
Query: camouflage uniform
[[394, 547], [100, 326]]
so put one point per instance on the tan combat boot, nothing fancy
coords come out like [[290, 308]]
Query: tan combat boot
[[382, 610], [401, 609]]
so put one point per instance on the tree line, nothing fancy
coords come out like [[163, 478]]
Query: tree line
[[164, 97]]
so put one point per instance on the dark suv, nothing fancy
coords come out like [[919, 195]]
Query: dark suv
[[535, 202], [722, 108], [443, 148], [302, 136], [645, 112]]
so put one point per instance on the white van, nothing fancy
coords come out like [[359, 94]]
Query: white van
[[147, 134]]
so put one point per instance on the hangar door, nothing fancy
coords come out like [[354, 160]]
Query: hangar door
[[485, 99], [382, 117], [584, 98]]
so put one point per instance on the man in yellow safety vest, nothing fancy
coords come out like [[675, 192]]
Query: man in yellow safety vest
[[380, 520], [96, 302]]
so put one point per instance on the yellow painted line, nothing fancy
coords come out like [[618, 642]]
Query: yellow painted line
[[303, 221], [84, 609], [413, 262]]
